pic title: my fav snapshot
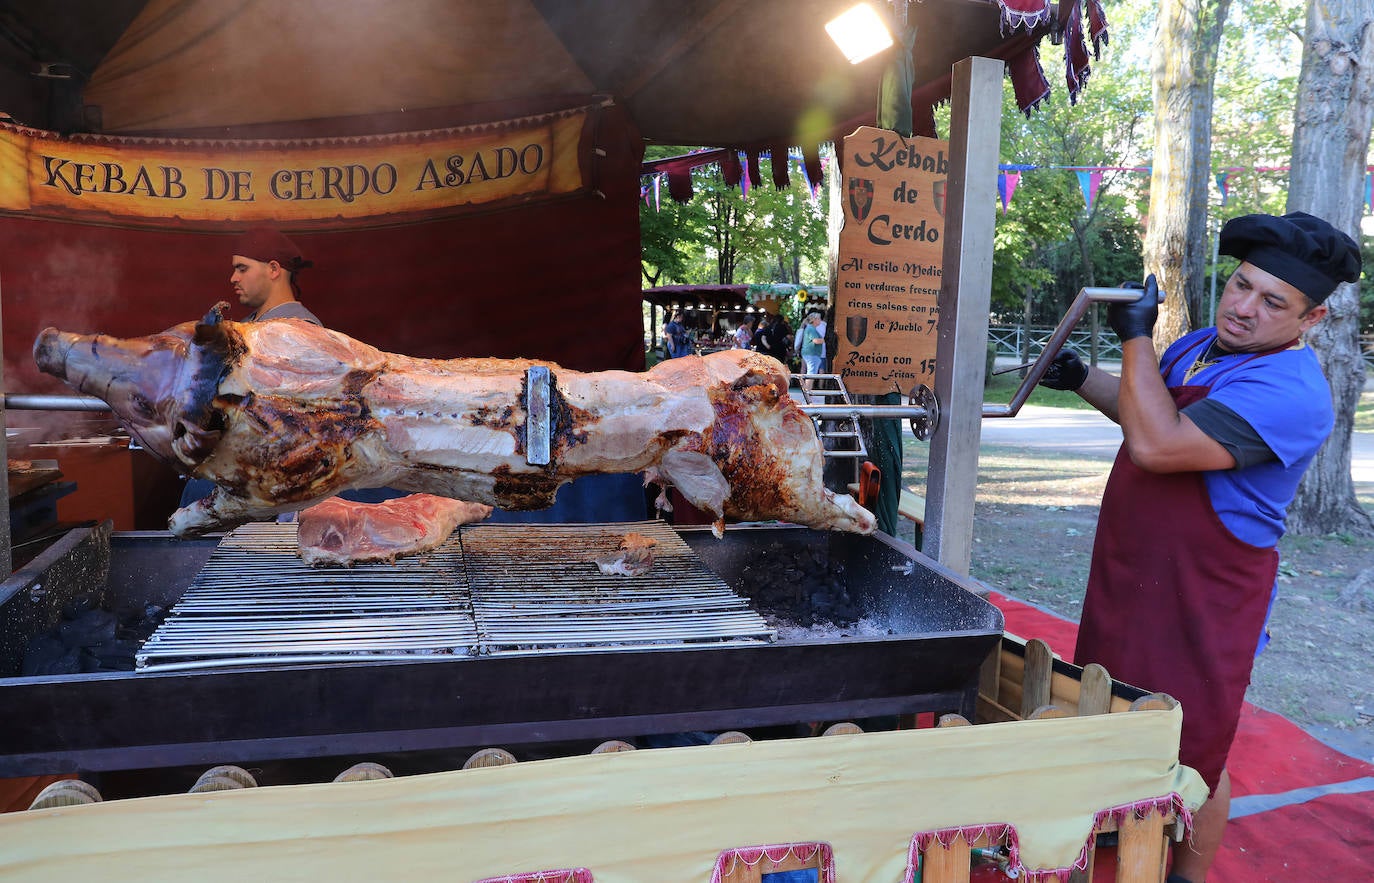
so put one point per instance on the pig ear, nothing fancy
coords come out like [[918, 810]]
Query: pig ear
[[209, 328], [212, 349]]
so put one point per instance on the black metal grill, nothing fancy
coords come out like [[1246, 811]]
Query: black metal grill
[[526, 684]]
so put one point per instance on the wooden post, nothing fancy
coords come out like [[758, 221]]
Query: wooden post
[[946, 864], [1095, 690], [965, 293], [1035, 681], [1140, 849]]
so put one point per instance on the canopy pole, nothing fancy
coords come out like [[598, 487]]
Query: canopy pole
[[965, 301]]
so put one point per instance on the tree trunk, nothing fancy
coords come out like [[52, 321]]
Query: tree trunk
[[1184, 63], [1334, 113]]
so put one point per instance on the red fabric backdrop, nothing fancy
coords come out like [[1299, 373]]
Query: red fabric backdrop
[[555, 280]]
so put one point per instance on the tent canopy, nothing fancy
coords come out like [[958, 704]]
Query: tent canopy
[[698, 72], [558, 279]]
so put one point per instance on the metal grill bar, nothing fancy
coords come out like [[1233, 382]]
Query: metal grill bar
[[489, 589], [558, 597], [255, 602]]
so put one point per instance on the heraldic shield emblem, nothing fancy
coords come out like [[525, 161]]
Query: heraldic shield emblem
[[860, 198], [855, 329]]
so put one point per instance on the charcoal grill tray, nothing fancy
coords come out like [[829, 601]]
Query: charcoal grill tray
[[940, 633]]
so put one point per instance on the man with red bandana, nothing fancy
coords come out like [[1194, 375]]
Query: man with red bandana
[[265, 264], [1217, 435]]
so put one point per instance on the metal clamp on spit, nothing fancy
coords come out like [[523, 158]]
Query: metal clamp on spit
[[537, 420]]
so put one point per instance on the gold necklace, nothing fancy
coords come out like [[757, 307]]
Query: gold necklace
[[1202, 362]]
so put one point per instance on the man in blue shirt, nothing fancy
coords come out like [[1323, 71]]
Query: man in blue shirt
[[676, 341], [1217, 435]]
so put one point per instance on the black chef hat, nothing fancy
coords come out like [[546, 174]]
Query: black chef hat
[[1302, 250]]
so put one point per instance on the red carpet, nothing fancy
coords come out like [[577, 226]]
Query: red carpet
[[1300, 811]]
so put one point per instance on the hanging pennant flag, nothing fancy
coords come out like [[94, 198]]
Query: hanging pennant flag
[[1006, 186], [1089, 182], [1222, 184], [657, 180], [1368, 190]]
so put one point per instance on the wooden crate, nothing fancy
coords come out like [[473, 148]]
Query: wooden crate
[[1023, 680]]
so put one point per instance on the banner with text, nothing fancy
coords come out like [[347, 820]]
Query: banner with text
[[891, 261], [306, 183]]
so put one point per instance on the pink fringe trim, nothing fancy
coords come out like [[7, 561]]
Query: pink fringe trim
[[752, 855], [567, 875], [1028, 14], [1004, 833]]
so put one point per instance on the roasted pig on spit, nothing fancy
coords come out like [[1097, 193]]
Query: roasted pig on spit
[[282, 414]]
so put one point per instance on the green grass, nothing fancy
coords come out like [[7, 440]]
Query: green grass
[[1001, 388]]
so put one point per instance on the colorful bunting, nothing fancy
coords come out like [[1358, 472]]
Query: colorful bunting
[[1089, 182], [1006, 186], [1222, 179]]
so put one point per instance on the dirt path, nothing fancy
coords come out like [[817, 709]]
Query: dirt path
[[1035, 517]]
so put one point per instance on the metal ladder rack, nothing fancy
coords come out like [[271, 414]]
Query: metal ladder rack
[[840, 435]]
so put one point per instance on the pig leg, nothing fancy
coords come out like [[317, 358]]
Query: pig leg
[[221, 510]]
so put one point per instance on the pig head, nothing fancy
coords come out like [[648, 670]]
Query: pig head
[[267, 453], [161, 387]]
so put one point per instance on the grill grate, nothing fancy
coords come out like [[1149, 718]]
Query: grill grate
[[256, 602], [489, 589], [538, 587]]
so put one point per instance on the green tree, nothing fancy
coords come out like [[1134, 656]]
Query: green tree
[[669, 232], [721, 236], [1184, 64], [1334, 114], [1049, 239]]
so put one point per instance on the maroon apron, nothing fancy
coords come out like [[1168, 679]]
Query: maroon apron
[[1175, 602]]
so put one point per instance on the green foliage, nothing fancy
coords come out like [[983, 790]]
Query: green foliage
[[722, 236], [1047, 245]]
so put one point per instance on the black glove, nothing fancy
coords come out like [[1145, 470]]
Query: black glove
[[1066, 372], [1137, 318]]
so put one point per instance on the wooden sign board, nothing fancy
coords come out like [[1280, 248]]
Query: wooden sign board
[[891, 261]]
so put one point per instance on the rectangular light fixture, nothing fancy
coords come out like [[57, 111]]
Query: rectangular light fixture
[[860, 33]]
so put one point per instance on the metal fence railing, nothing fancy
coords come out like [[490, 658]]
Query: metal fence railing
[[1008, 340]]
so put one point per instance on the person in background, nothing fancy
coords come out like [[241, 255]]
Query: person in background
[[676, 341], [265, 264], [1217, 436], [811, 343], [774, 338], [744, 334]]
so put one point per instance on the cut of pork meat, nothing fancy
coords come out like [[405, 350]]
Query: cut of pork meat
[[343, 533], [634, 557], [280, 415]]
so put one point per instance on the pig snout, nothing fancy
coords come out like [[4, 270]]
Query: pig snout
[[50, 352]]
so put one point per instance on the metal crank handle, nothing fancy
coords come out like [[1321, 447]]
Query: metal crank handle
[[1076, 311]]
